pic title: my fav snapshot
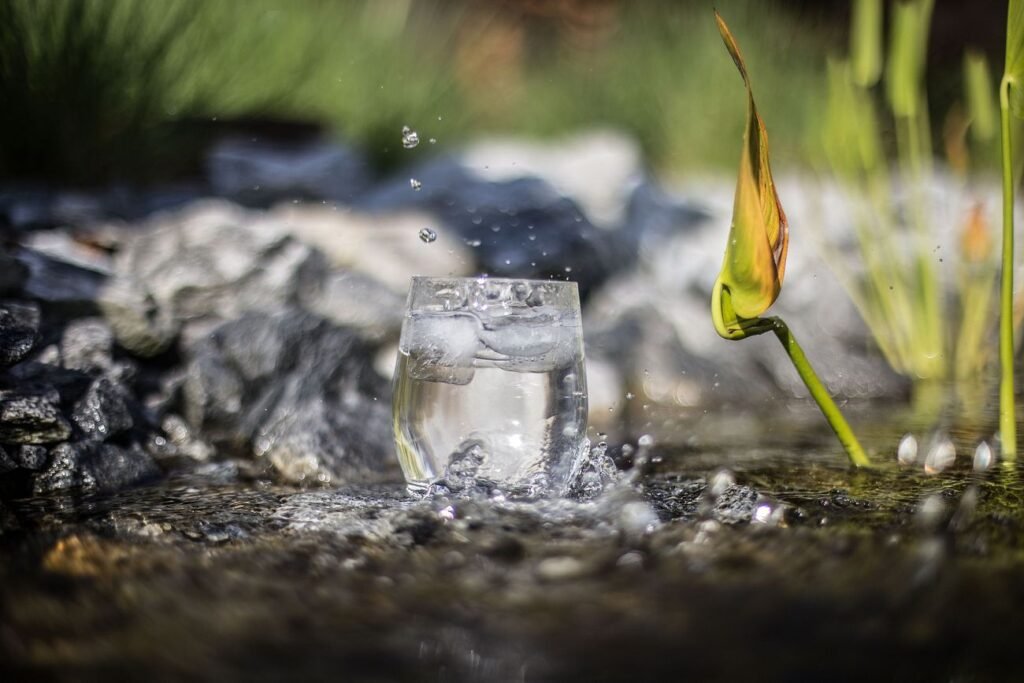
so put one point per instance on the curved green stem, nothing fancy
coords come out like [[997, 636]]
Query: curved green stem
[[820, 394], [1007, 412]]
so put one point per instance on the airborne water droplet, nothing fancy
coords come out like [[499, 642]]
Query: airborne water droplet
[[410, 138], [428, 235], [415, 184]]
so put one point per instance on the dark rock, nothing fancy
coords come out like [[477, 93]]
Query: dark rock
[[13, 274], [64, 287], [7, 463], [516, 228], [19, 330], [103, 412], [259, 173], [652, 214], [94, 465], [735, 505], [295, 389], [70, 385], [32, 417], [31, 457]]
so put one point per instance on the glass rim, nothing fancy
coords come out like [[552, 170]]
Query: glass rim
[[426, 279]]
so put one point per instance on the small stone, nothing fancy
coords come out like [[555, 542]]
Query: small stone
[[31, 457], [140, 324], [31, 418], [19, 329], [735, 505], [87, 345], [103, 411], [560, 569]]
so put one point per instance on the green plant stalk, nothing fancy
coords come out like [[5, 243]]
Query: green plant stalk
[[819, 393], [1007, 410]]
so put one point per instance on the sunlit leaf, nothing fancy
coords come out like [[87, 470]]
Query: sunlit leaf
[[755, 256], [866, 42], [981, 104], [1014, 70]]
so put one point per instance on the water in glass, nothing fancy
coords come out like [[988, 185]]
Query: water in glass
[[490, 384]]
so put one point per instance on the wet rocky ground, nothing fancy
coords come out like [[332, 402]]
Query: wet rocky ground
[[776, 565], [197, 478]]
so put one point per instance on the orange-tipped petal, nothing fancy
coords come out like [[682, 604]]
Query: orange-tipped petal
[[755, 256]]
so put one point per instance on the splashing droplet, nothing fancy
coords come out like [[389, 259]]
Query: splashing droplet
[[983, 457], [428, 235], [415, 184], [906, 452], [410, 138], [940, 456], [432, 141]]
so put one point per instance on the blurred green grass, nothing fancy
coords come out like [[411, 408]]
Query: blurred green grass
[[94, 90]]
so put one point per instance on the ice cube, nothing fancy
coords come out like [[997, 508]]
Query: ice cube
[[530, 342], [441, 347]]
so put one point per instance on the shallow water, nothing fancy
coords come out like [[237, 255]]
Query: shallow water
[[720, 557]]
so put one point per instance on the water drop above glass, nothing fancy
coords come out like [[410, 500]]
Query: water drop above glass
[[410, 138], [490, 385]]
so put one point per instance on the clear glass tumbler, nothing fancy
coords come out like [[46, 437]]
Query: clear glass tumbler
[[490, 385]]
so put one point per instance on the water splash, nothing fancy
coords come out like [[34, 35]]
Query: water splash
[[415, 184], [906, 452], [410, 138], [983, 457], [428, 235], [940, 456]]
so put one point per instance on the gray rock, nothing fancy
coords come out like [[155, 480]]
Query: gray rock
[[356, 301], [103, 412], [210, 261], [19, 330], [259, 173], [87, 344], [140, 324], [32, 417], [295, 389], [94, 465]]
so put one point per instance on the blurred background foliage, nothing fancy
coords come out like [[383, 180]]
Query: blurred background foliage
[[100, 90]]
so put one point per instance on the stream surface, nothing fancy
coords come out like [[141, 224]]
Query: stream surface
[[738, 549]]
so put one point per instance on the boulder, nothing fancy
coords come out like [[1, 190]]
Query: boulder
[[295, 389]]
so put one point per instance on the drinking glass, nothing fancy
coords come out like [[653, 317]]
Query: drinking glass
[[490, 385]]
